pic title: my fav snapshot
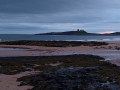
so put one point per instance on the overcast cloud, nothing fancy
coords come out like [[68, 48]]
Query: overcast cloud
[[36, 16]]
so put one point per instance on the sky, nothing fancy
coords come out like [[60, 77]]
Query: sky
[[40, 16]]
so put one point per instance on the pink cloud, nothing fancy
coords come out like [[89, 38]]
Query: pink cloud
[[107, 32]]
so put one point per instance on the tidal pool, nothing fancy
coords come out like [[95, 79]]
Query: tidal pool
[[3, 48]]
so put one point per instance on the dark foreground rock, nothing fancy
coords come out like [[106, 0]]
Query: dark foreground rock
[[53, 43], [80, 78], [87, 72]]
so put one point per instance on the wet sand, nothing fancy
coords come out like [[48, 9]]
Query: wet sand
[[108, 51], [8, 82]]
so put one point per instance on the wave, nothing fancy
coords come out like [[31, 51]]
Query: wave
[[105, 39], [113, 39], [116, 39], [74, 40]]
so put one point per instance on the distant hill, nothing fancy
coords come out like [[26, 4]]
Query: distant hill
[[78, 32], [115, 33]]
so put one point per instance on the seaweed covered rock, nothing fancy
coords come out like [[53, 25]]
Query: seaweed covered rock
[[54, 43], [80, 78]]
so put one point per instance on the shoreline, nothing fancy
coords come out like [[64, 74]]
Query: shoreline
[[8, 82], [110, 52]]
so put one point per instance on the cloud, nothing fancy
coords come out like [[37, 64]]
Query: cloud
[[33, 28], [53, 6], [107, 32], [59, 15]]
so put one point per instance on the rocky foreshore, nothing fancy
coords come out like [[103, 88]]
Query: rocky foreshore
[[86, 72], [80, 78], [54, 43]]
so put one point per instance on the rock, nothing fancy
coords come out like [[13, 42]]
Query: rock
[[79, 78], [0, 66], [28, 65], [29, 69]]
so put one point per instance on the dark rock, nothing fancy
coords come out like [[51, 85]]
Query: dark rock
[[67, 79], [29, 69], [0, 66], [28, 65]]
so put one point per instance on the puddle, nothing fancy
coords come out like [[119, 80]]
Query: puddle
[[107, 59], [10, 48], [55, 64]]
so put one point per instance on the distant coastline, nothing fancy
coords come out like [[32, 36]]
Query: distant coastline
[[78, 32]]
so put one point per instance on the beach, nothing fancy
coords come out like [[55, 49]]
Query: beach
[[59, 45], [110, 53]]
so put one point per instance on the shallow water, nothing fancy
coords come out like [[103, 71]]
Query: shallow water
[[14, 37], [10, 48], [55, 64]]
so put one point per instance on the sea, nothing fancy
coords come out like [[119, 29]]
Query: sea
[[15, 37]]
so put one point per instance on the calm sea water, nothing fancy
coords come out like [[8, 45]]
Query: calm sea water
[[14, 37]]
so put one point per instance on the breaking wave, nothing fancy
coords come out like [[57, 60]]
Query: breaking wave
[[105, 39]]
